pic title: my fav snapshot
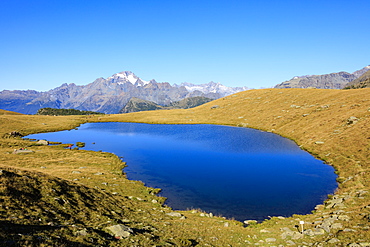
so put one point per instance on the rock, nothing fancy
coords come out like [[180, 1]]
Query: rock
[[15, 134], [314, 232], [264, 231], [250, 222], [365, 244], [319, 142], [22, 151], [333, 241], [344, 217], [120, 231], [336, 226], [337, 202], [76, 172], [226, 224], [270, 240], [290, 242], [98, 173], [352, 120], [174, 214], [349, 230], [42, 142], [215, 107], [297, 235], [286, 233], [82, 232]]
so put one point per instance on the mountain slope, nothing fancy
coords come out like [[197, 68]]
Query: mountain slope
[[328, 81], [136, 104], [361, 82], [108, 95]]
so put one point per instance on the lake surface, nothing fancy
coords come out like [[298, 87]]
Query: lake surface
[[235, 172]]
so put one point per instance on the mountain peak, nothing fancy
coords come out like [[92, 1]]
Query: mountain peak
[[127, 76]]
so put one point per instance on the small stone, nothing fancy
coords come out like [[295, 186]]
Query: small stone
[[226, 224], [76, 172], [98, 173], [154, 201]]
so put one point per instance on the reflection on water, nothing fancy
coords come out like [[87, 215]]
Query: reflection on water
[[235, 172]]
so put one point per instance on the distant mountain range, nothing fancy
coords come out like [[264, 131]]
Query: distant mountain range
[[328, 81], [109, 95]]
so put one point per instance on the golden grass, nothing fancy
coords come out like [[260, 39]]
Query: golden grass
[[317, 120]]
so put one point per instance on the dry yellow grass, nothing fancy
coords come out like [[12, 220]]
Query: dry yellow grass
[[333, 125]]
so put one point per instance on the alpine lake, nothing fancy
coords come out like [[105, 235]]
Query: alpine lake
[[235, 172]]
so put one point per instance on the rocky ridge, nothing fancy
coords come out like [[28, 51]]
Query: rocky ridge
[[328, 81]]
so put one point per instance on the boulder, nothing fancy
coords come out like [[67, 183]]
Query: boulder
[[42, 142]]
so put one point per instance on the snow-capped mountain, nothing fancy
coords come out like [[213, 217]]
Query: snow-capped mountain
[[109, 95], [127, 76]]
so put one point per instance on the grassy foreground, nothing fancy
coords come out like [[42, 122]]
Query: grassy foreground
[[58, 197]]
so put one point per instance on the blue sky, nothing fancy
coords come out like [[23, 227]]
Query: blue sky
[[237, 43]]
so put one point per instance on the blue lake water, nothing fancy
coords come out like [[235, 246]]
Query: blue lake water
[[235, 172]]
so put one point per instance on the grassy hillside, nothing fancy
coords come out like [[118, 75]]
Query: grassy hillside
[[331, 124], [4, 112]]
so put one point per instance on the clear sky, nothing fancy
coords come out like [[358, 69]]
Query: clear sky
[[44, 43]]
